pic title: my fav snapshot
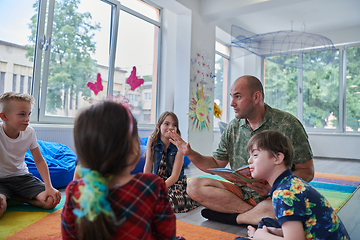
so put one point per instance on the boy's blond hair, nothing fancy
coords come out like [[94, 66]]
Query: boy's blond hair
[[5, 98]]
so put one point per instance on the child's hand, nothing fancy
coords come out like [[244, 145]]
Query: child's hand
[[275, 231], [55, 194], [251, 231], [261, 233]]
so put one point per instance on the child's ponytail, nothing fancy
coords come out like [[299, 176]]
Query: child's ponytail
[[104, 137]]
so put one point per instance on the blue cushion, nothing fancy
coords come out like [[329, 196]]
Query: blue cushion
[[186, 161], [60, 160], [140, 165]]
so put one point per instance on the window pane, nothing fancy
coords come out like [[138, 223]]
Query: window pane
[[220, 84], [281, 85], [137, 49], [353, 89], [14, 33], [79, 52], [222, 48], [320, 92], [143, 8]]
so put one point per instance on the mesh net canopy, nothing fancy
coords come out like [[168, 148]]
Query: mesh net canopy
[[281, 46]]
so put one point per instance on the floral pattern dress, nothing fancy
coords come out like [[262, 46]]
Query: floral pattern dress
[[295, 200]]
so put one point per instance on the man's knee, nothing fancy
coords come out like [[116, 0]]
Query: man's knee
[[194, 187]]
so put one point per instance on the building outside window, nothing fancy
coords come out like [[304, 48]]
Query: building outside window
[[79, 52], [14, 83], [2, 82]]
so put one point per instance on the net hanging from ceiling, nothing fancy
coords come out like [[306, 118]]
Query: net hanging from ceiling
[[281, 47]]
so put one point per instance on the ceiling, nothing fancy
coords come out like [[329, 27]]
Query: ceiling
[[262, 16]]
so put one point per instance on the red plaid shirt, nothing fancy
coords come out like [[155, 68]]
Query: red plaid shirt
[[143, 201]]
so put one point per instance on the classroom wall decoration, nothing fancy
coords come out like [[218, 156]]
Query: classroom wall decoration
[[133, 80], [200, 108], [201, 102], [202, 73], [97, 86]]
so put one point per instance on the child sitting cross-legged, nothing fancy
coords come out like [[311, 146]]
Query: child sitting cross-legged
[[163, 159], [107, 201], [301, 211], [16, 137]]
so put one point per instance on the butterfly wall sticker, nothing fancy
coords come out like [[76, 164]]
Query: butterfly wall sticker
[[97, 86], [133, 80]]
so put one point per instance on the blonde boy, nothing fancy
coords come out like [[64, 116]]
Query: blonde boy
[[301, 211], [16, 137]]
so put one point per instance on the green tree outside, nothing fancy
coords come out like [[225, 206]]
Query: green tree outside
[[320, 89], [71, 65], [353, 88]]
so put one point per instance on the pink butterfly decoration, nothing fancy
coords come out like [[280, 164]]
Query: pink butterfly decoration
[[97, 86], [133, 80]]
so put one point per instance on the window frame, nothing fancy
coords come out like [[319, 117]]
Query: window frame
[[228, 57], [342, 92], [40, 76]]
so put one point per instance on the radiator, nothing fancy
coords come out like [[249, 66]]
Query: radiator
[[62, 134]]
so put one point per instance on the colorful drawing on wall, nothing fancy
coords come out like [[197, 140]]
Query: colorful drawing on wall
[[200, 108], [201, 69], [133, 80], [97, 86]]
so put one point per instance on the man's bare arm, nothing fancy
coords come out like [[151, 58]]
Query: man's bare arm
[[305, 170]]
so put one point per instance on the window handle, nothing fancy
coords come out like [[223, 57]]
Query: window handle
[[45, 43]]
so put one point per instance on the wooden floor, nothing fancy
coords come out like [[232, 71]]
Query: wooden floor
[[349, 214]]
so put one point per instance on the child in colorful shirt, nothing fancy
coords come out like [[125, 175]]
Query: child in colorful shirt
[[163, 159], [300, 210], [108, 202]]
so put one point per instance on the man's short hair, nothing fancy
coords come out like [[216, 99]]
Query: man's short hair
[[254, 85], [5, 98]]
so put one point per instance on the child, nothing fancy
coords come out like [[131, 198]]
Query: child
[[163, 159], [16, 137], [108, 202], [301, 211]]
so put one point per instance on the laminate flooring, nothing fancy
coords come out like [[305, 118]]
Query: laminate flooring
[[349, 214]]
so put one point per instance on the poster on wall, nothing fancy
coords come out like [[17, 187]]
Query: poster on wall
[[200, 107]]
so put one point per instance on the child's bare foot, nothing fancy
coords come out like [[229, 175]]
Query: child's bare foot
[[251, 231]]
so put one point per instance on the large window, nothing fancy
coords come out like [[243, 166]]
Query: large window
[[15, 67], [353, 89], [314, 93], [222, 57], [281, 86], [82, 52], [320, 92], [139, 49]]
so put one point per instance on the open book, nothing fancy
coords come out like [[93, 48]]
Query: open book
[[239, 176]]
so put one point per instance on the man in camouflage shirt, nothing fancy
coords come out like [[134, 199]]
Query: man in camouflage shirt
[[240, 204]]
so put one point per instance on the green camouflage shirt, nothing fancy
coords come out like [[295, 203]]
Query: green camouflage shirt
[[232, 146]]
